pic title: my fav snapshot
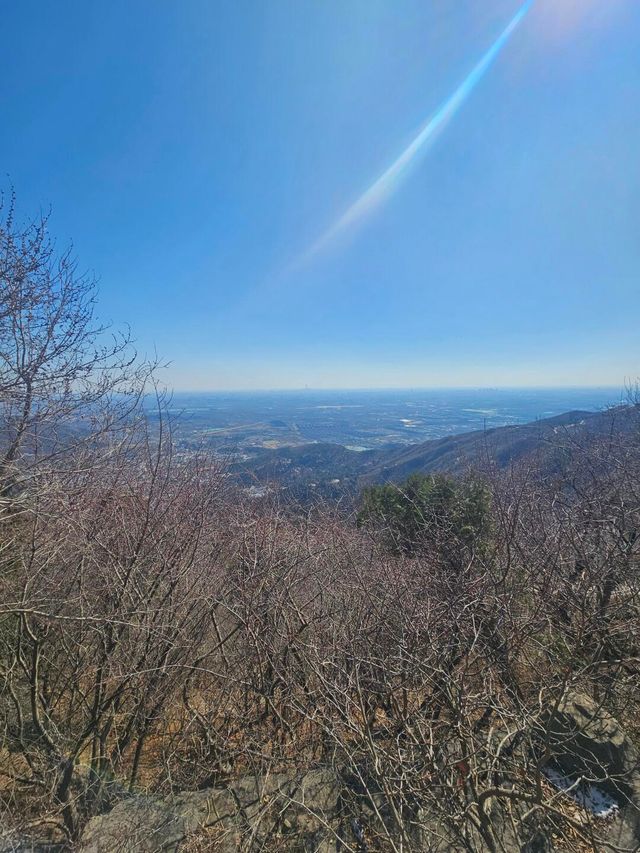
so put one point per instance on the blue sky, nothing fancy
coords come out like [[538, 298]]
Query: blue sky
[[196, 151]]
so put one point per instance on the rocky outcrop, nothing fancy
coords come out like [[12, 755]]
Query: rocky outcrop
[[587, 740], [587, 743], [306, 810], [318, 813]]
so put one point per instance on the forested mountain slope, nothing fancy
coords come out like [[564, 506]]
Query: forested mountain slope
[[550, 439], [326, 468]]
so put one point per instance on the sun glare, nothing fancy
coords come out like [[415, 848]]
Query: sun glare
[[564, 19]]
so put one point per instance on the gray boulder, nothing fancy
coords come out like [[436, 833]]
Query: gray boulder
[[247, 813], [586, 741]]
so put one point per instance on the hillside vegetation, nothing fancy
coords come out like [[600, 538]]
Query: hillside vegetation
[[432, 662], [309, 471]]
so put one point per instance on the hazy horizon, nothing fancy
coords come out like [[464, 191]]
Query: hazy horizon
[[621, 389]]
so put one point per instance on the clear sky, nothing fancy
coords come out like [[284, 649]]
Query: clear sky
[[204, 156]]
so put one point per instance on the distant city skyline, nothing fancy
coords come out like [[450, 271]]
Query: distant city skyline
[[195, 152]]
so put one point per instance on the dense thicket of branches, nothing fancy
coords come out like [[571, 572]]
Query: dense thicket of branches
[[159, 632]]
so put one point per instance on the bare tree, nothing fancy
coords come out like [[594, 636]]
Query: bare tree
[[63, 375]]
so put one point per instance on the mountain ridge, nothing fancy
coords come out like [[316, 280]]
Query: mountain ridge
[[327, 468]]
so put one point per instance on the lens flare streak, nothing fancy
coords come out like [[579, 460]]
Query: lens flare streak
[[389, 180]]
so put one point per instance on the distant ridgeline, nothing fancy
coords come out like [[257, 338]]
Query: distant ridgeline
[[330, 470]]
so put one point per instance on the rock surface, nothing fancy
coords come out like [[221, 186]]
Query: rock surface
[[586, 741], [271, 808]]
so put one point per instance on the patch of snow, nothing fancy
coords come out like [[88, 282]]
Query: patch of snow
[[585, 794]]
